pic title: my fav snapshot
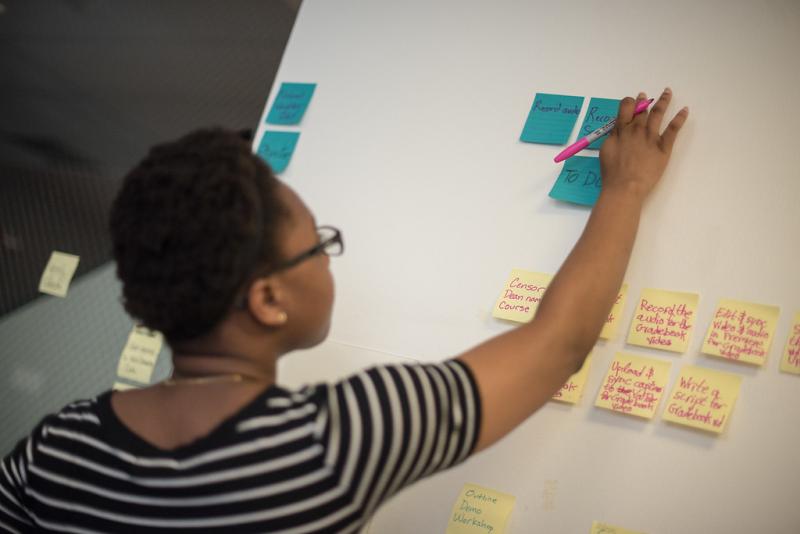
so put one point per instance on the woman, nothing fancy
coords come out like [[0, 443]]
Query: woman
[[230, 265]]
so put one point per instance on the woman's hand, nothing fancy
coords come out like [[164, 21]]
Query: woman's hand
[[635, 154]]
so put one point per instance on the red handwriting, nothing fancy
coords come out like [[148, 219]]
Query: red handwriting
[[793, 347], [664, 324], [628, 387], [519, 296], [611, 317], [736, 333], [696, 400], [568, 387]]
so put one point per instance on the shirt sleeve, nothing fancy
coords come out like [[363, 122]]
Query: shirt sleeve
[[390, 426], [13, 477]]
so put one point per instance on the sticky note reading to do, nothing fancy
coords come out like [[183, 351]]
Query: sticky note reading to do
[[601, 111], [702, 398], [605, 528], [741, 331], [480, 510], [291, 103], [521, 296], [572, 390], [277, 148], [609, 330], [139, 356], [633, 385], [664, 320], [579, 181], [790, 363], [551, 119], [58, 273]]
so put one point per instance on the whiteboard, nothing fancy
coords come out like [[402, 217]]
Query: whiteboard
[[410, 146]]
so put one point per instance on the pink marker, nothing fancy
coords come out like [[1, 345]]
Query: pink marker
[[582, 143]]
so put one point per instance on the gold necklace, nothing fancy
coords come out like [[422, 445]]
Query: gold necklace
[[233, 377]]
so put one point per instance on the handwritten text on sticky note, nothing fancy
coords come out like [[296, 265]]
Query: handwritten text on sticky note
[[790, 363], [291, 103], [612, 321], [664, 320], [551, 119], [741, 331], [572, 390], [277, 148], [600, 112], [579, 181], [702, 398], [480, 510], [58, 273], [633, 385], [521, 296], [139, 356]]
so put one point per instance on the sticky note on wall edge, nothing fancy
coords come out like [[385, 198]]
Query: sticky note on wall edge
[[579, 181], [611, 325], [664, 319], [551, 119], [605, 528], [790, 362], [277, 148], [741, 331], [139, 356], [521, 295], [58, 273], [702, 398], [291, 103], [479, 509]]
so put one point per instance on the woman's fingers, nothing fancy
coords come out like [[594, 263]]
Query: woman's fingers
[[657, 113], [625, 114], [674, 126], [641, 118]]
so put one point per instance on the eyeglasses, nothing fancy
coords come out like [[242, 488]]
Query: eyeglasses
[[330, 244]]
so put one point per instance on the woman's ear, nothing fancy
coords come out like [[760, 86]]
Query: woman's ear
[[265, 304]]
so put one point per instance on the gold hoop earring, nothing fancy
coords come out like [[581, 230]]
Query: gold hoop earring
[[282, 317]]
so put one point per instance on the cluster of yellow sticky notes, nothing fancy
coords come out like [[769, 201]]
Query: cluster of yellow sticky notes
[[58, 274], [480, 509], [702, 398], [138, 358], [572, 390], [664, 320], [605, 528], [633, 385], [609, 330], [790, 363], [521, 296], [741, 331]]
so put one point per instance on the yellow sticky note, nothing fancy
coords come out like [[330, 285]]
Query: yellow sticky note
[[702, 398], [122, 386], [605, 528], [480, 510], [58, 274], [572, 390], [609, 330], [521, 296], [633, 385], [664, 320], [139, 356], [790, 363], [741, 331]]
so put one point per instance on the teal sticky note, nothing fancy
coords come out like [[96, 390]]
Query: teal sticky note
[[551, 119], [579, 181], [277, 148], [601, 111], [291, 103]]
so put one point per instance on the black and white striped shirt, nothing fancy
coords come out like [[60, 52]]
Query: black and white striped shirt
[[319, 459]]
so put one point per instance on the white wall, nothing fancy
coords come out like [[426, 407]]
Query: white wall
[[410, 146]]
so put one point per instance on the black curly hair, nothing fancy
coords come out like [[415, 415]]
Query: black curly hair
[[191, 223]]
